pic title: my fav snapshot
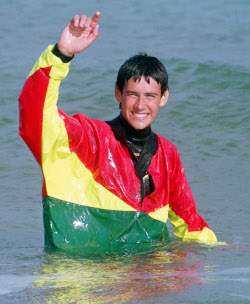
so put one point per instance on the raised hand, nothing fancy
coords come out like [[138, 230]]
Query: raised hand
[[79, 34]]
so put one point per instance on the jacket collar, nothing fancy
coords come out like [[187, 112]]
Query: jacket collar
[[150, 147]]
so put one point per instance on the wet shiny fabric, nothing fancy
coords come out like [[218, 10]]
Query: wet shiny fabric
[[90, 179], [92, 230], [145, 143]]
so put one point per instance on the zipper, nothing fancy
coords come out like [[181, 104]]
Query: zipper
[[142, 190]]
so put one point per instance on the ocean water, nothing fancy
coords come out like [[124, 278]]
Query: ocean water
[[205, 47]]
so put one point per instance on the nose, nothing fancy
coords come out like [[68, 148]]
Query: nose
[[140, 103]]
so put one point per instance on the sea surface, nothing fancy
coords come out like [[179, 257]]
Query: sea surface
[[205, 46]]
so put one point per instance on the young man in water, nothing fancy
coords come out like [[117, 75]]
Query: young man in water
[[106, 184]]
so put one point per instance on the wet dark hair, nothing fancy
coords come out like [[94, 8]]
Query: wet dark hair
[[142, 65]]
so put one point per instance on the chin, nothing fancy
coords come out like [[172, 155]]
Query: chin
[[139, 126]]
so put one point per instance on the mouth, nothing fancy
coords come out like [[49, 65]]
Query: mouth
[[139, 115]]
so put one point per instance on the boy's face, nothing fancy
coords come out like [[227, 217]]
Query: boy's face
[[140, 101]]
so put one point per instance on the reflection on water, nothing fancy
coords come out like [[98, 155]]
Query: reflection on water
[[68, 279]]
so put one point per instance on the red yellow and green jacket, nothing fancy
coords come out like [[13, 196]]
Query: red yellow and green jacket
[[91, 193]]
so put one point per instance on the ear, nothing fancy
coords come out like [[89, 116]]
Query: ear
[[164, 98], [118, 94]]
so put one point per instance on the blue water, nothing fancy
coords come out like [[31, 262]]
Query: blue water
[[205, 47]]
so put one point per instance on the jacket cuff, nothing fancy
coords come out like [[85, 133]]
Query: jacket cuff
[[59, 54]]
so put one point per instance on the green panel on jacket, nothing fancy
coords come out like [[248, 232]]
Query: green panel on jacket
[[79, 229]]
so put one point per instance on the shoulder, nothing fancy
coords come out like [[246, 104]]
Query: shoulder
[[167, 150], [169, 153], [166, 144], [81, 128], [84, 121]]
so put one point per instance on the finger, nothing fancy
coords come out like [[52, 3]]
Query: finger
[[94, 34], [82, 20], [95, 19], [87, 22], [95, 31], [76, 20]]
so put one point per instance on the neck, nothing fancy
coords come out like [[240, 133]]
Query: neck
[[133, 134], [135, 138]]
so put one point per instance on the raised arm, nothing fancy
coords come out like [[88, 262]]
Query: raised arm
[[40, 123], [79, 34]]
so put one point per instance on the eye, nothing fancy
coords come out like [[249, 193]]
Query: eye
[[150, 96], [132, 94]]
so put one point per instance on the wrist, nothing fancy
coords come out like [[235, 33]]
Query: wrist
[[64, 56]]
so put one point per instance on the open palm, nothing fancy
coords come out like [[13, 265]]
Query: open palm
[[79, 34]]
